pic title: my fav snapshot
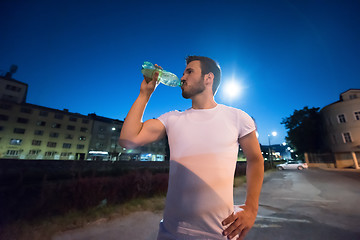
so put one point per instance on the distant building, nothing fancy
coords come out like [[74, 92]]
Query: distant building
[[12, 90], [30, 131], [342, 127], [104, 140]]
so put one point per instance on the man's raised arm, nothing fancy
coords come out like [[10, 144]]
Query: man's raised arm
[[134, 132]]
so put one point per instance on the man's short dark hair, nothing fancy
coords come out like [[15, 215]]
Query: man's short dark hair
[[208, 65]]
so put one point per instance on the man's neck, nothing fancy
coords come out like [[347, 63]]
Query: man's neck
[[203, 103]]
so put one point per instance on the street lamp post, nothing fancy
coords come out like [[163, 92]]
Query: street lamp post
[[270, 152]]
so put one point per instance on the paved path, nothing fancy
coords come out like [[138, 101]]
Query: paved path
[[311, 204], [138, 225]]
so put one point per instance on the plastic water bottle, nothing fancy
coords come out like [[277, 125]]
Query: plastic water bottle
[[165, 77]]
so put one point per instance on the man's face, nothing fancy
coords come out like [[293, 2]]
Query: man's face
[[192, 80]]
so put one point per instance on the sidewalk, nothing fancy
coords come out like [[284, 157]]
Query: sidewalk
[[138, 225]]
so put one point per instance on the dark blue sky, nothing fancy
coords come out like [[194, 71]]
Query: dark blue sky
[[86, 55]]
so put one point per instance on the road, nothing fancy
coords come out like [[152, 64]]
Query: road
[[312, 204]]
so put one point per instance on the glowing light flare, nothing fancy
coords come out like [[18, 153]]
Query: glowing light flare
[[232, 89]]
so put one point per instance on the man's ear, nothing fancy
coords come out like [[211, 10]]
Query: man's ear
[[209, 78]]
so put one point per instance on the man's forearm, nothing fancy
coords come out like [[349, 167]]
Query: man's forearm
[[254, 179], [133, 121]]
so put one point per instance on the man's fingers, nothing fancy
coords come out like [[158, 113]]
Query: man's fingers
[[229, 220]]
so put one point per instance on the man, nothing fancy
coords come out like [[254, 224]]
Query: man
[[204, 143]]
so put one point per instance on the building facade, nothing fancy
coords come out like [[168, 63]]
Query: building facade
[[29, 131], [342, 127]]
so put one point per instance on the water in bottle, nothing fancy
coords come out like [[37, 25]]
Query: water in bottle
[[165, 77]]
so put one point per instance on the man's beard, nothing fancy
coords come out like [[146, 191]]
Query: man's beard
[[196, 89]]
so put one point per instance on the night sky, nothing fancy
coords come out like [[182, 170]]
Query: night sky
[[86, 56]]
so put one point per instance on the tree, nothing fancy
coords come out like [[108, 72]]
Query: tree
[[304, 130]]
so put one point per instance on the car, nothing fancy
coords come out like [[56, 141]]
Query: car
[[299, 165]]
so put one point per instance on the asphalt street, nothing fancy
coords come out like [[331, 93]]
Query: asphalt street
[[312, 204]]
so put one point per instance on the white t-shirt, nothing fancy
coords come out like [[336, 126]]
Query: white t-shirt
[[203, 153]]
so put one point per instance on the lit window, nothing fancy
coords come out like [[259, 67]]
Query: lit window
[[15, 141], [341, 118], [40, 123], [56, 125]]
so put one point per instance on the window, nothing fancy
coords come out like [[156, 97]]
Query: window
[[101, 136], [22, 120], [40, 123], [25, 110], [34, 152], [1, 128], [65, 154], [67, 145], [353, 96], [82, 138], [4, 117], [58, 116], [50, 154], [54, 135], [19, 130], [341, 118], [13, 88], [70, 127], [43, 113], [85, 121], [5, 106], [12, 153], [83, 129], [357, 115], [15, 141], [51, 144], [80, 146], [69, 136], [36, 142], [73, 119], [56, 125], [39, 132], [347, 137]]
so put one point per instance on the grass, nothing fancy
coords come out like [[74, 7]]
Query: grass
[[41, 229], [46, 228], [239, 181]]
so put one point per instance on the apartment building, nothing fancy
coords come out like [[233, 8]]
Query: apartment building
[[29, 131], [12, 90], [104, 140], [342, 127]]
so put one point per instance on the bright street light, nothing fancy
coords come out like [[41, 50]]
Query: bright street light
[[232, 89]]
